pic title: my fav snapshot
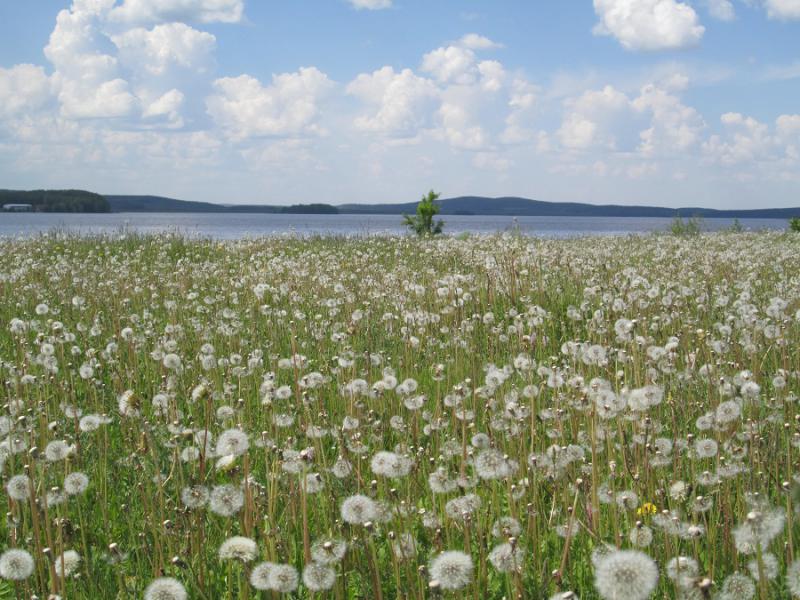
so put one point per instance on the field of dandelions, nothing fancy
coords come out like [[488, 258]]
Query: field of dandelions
[[482, 417]]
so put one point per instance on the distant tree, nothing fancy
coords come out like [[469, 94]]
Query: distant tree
[[794, 224], [422, 223], [690, 227]]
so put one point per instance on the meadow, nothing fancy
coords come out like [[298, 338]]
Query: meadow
[[477, 417]]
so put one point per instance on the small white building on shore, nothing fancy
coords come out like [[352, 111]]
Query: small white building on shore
[[18, 207]]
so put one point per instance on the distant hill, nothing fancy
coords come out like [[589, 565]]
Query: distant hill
[[521, 207], [75, 201], [508, 206], [162, 204]]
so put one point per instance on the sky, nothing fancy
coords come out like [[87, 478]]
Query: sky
[[659, 102]]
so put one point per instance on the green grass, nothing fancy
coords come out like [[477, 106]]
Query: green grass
[[461, 317]]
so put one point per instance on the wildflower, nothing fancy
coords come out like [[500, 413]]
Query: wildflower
[[682, 570], [226, 500], [128, 404], [318, 577], [341, 468], [793, 578], [16, 564], [58, 450], [195, 496], [172, 362], [165, 588], [506, 558], [492, 464], [358, 509], [328, 552], [506, 527], [626, 575], [641, 536], [706, 448], [768, 568], [283, 578], [67, 563], [404, 547], [648, 508], [390, 464], [55, 497], [238, 548], [458, 508], [313, 483], [90, 423], [259, 576], [232, 442], [440, 482], [451, 569], [76, 483], [19, 487], [738, 587]]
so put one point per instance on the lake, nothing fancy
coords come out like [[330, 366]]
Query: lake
[[235, 226]]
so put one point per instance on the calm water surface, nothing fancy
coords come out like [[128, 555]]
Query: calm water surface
[[235, 226]]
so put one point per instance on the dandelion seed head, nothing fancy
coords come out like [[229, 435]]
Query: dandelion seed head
[[238, 548], [318, 577], [226, 500], [67, 563], [452, 569], [283, 578], [358, 509], [16, 564], [626, 575], [19, 487], [76, 483], [165, 588], [259, 576]]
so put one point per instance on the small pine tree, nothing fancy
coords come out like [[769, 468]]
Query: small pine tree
[[794, 224], [422, 223]]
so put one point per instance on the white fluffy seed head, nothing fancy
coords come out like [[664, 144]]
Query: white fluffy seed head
[[165, 588], [76, 483], [625, 575], [452, 570], [358, 509], [318, 577], [19, 487], [16, 564], [238, 548]]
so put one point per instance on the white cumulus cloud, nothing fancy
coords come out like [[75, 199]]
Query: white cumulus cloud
[[371, 4], [162, 11], [783, 9], [400, 103], [87, 79], [721, 9], [674, 127], [473, 41], [23, 88], [452, 64], [648, 24], [290, 106], [157, 49]]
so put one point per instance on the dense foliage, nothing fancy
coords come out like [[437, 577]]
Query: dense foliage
[[57, 200], [422, 223], [487, 417]]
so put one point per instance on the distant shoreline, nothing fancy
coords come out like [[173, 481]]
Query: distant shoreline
[[460, 206], [79, 201]]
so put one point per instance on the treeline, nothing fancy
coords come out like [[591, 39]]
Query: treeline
[[311, 209], [72, 201], [295, 209]]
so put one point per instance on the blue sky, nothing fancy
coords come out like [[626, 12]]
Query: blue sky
[[663, 102]]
